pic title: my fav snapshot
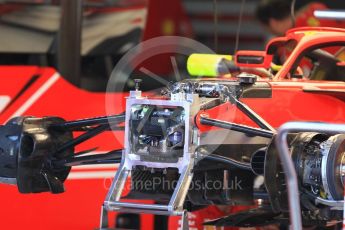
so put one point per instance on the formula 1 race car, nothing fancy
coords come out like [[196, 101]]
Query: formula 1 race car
[[213, 141]]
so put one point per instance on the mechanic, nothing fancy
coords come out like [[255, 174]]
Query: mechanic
[[275, 16]]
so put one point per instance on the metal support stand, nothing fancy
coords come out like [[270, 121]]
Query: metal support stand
[[288, 166], [174, 207], [104, 223], [184, 221]]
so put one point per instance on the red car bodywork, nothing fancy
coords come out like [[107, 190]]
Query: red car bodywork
[[79, 207]]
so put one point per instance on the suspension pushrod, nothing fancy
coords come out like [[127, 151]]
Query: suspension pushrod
[[77, 124], [236, 127]]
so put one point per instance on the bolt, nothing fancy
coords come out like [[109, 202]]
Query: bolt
[[137, 84]]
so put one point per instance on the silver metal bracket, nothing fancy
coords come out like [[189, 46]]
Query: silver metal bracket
[[129, 161]]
